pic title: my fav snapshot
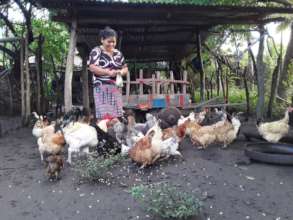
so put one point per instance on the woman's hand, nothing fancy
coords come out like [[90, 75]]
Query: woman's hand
[[113, 73]]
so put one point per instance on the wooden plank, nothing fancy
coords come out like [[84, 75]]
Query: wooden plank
[[153, 84], [27, 81], [184, 79], [158, 84], [22, 79], [171, 82], [85, 84], [127, 86], [69, 67], [140, 82]]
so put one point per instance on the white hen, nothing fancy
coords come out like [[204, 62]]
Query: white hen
[[274, 131]]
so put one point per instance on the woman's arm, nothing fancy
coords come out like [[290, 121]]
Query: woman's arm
[[98, 71], [124, 70]]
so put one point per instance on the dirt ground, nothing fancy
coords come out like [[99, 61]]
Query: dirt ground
[[229, 190]]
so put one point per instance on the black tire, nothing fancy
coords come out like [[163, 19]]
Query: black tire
[[252, 135], [255, 135], [263, 156], [273, 148]]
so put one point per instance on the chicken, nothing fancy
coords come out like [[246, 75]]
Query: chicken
[[55, 164], [79, 137], [169, 148], [103, 124], [224, 131], [274, 131], [191, 127], [41, 123], [50, 142], [193, 117], [227, 133], [132, 133], [177, 132], [142, 151]]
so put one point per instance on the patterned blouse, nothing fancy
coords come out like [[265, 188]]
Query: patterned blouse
[[103, 60]]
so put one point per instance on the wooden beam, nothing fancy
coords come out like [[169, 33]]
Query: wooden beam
[[22, 80], [85, 84], [69, 67], [202, 74], [27, 81], [140, 84]]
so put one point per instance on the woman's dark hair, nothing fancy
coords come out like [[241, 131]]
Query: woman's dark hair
[[107, 32]]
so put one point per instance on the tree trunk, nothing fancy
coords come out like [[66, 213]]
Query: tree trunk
[[69, 68], [28, 81], [283, 85], [39, 74], [202, 75], [227, 87], [253, 60], [246, 92], [218, 78], [274, 86], [22, 89], [85, 85], [260, 76]]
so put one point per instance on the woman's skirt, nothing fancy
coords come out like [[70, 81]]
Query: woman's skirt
[[108, 101]]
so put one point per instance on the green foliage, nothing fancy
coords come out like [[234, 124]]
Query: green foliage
[[167, 201], [94, 168]]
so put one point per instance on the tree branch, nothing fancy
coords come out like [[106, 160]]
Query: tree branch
[[27, 15], [7, 51], [282, 2], [8, 23]]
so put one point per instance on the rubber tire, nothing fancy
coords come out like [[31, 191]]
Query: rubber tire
[[273, 148], [249, 135], [261, 155]]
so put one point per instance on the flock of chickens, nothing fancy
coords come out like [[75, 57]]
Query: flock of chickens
[[145, 143]]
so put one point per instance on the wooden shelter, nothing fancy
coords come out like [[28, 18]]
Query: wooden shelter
[[149, 31]]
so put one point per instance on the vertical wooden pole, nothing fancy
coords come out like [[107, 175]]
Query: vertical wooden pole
[[39, 73], [153, 85], [28, 82], [260, 75], [172, 84], [184, 79], [202, 75], [69, 67], [158, 84], [141, 83], [127, 86], [22, 80], [85, 84]]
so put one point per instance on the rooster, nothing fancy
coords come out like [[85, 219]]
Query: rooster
[[274, 131]]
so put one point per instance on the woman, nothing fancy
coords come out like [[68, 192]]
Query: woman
[[106, 62]]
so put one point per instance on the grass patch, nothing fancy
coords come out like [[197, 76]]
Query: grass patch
[[95, 168], [166, 201]]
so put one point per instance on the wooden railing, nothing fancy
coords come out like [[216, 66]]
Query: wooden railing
[[156, 83]]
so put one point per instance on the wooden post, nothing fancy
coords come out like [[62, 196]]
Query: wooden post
[[153, 85], [69, 67], [158, 84], [28, 82], [202, 75], [22, 80], [184, 79], [172, 84], [39, 74], [127, 86], [141, 83], [85, 84]]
